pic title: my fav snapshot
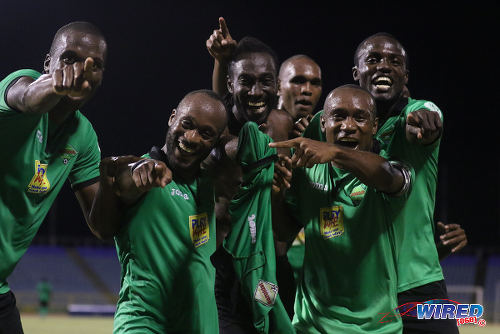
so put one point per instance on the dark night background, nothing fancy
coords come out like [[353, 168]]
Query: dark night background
[[157, 54]]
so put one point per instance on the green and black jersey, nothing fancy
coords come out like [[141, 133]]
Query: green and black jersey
[[37, 156], [418, 262], [164, 248], [349, 279]]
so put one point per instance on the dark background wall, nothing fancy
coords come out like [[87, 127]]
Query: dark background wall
[[157, 54]]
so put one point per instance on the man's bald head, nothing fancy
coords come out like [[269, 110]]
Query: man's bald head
[[77, 26], [300, 85]]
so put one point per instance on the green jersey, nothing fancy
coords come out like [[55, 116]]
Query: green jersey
[[250, 241], [37, 157], [349, 279], [164, 248], [418, 261]]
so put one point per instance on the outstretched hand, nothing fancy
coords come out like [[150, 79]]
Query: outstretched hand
[[308, 152], [423, 126], [133, 174], [74, 80], [220, 44]]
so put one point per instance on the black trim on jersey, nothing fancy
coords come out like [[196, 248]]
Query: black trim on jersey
[[398, 107], [262, 162], [84, 184], [12, 83]]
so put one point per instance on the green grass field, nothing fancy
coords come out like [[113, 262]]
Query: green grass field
[[64, 324]]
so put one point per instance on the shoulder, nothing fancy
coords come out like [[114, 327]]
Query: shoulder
[[422, 104], [20, 73]]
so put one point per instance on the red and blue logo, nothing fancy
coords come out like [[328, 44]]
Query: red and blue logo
[[441, 309]]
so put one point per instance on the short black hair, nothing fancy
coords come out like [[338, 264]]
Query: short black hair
[[249, 44], [383, 34], [81, 26], [298, 56], [211, 94]]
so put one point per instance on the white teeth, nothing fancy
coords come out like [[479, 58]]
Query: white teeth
[[256, 104], [352, 140], [383, 81], [185, 148]]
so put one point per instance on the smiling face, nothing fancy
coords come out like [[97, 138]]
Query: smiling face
[[194, 128], [300, 86], [349, 118], [381, 67], [253, 83]]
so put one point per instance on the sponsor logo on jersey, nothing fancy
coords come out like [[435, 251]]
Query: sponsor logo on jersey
[[319, 186], [265, 293], [67, 153], [439, 309], [253, 228], [39, 136], [199, 229], [177, 192], [358, 192], [331, 221], [39, 184]]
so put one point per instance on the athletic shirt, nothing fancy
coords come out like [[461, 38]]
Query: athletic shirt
[[36, 157], [164, 248], [349, 279], [418, 261], [250, 240]]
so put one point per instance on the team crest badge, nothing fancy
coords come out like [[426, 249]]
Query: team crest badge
[[39, 183], [266, 292], [199, 229], [358, 192], [331, 221], [67, 153]]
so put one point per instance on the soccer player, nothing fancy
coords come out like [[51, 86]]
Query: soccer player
[[347, 198], [163, 210], [46, 140], [247, 297], [410, 130], [300, 90]]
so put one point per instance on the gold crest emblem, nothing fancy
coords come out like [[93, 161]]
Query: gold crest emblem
[[39, 183]]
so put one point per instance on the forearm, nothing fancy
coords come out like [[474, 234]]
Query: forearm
[[369, 168], [33, 97], [105, 216], [219, 78]]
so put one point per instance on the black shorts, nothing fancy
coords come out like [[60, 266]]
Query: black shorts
[[10, 321], [413, 325]]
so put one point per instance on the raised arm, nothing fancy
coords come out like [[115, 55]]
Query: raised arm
[[43, 94], [123, 181], [220, 45], [371, 169]]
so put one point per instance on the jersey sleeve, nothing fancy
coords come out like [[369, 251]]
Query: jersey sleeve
[[6, 83], [85, 171]]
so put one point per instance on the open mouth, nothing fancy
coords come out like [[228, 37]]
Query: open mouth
[[347, 142], [184, 148], [382, 83], [257, 107]]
